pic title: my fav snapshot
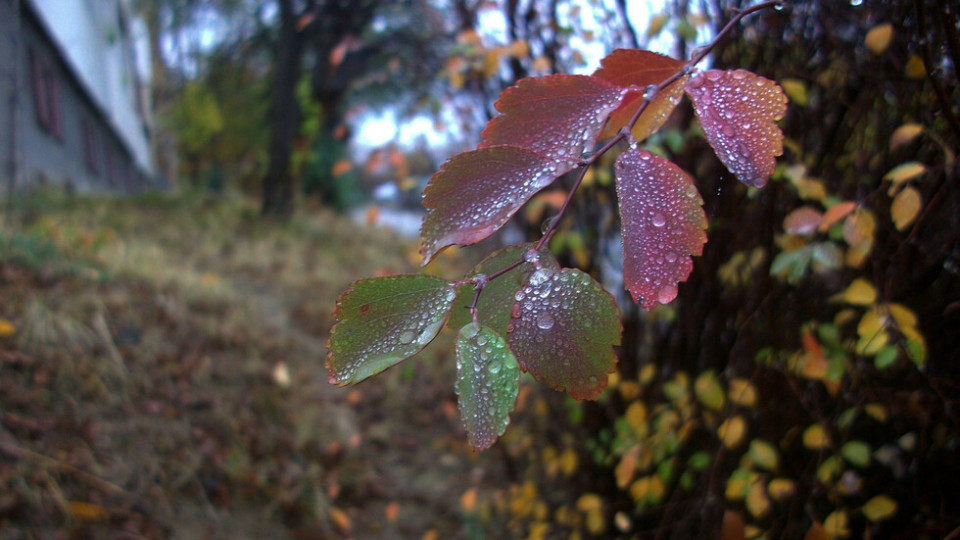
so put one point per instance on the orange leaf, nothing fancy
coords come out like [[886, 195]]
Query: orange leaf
[[391, 511], [733, 527], [339, 518], [342, 166], [468, 501], [835, 213]]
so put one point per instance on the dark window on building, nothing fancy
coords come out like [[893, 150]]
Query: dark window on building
[[46, 95], [91, 146]]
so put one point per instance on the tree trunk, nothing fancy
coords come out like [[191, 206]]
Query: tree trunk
[[278, 184]]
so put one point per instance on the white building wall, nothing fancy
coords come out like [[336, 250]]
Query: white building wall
[[103, 55]]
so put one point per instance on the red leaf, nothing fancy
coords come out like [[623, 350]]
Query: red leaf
[[558, 116], [663, 224], [475, 193], [737, 110], [563, 329], [632, 67], [802, 221]]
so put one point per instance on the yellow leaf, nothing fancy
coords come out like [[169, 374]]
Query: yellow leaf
[[764, 454], [596, 524], [871, 330], [879, 508], [859, 227], [640, 488], [732, 431], [647, 373], [795, 90], [905, 171], [491, 61], [837, 524], [708, 391], [904, 317], [589, 501], [905, 207], [860, 293], [87, 511], [630, 390], [656, 24], [877, 411], [757, 502], [904, 134], [815, 437], [878, 38], [742, 392], [518, 49], [568, 462], [541, 64], [636, 415], [915, 68], [7, 328], [781, 488], [829, 470]]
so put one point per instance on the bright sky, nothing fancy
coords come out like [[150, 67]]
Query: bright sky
[[378, 129]]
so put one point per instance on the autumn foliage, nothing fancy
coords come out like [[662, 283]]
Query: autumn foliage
[[558, 324]]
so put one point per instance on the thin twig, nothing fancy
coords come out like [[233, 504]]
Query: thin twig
[[61, 466], [624, 134]]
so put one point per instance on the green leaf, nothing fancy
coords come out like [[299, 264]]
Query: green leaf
[[886, 357], [857, 453], [498, 297], [699, 461], [563, 329], [382, 321], [488, 378]]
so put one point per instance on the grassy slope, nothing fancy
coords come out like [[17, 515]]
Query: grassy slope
[[143, 386]]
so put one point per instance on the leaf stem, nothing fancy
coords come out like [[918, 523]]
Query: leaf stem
[[623, 134]]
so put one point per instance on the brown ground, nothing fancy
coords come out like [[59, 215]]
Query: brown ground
[[162, 376]]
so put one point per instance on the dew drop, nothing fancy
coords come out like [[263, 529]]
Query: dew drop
[[494, 366], [671, 256], [667, 294], [481, 340], [545, 321], [405, 337], [658, 219]]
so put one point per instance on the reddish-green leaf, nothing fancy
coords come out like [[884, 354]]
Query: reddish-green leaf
[[487, 382], [563, 329], [737, 110], [475, 193], [382, 321], [498, 297], [663, 224], [640, 69], [557, 116]]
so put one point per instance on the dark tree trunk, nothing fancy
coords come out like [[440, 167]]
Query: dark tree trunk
[[278, 184]]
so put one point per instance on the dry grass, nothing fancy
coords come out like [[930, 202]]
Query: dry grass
[[142, 389]]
